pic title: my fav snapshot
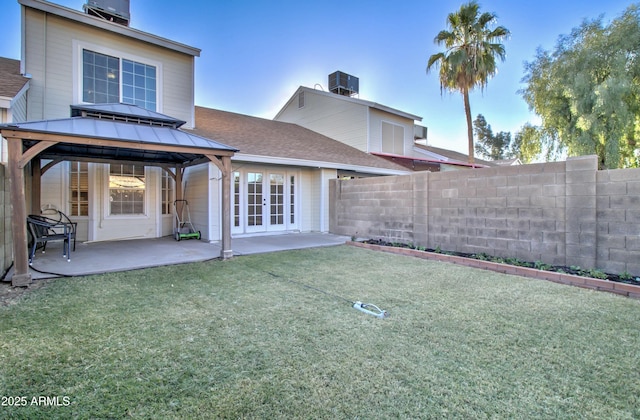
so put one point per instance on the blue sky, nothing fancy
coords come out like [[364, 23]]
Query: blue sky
[[255, 54]]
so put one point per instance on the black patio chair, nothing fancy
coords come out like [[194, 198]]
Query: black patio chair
[[43, 230], [61, 218]]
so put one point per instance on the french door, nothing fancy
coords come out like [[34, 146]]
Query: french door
[[264, 201]]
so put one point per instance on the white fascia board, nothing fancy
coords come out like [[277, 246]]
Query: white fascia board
[[361, 102], [242, 157], [8, 101], [127, 31], [431, 155]]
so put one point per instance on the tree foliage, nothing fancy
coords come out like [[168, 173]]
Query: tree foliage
[[469, 59], [587, 92], [491, 146], [527, 144]]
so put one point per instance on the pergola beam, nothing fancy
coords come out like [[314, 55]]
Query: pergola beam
[[105, 142], [18, 160]]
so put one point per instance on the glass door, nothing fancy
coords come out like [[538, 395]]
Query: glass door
[[276, 202], [264, 202], [256, 202]]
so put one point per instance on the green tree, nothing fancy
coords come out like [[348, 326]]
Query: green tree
[[527, 144], [491, 146], [587, 91], [469, 60]]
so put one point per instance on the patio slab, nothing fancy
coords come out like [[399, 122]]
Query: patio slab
[[101, 257]]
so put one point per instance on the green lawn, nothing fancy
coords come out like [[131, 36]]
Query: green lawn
[[229, 340]]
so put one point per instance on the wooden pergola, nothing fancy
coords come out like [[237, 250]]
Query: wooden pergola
[[105, 133]]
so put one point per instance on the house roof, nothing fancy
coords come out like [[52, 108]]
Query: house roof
[[81, 17], [269, 141], [359, 101], [508, 162], [139, 137], [450, 156], [11, 81]]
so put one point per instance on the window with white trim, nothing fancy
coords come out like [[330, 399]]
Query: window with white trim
[[78, 188], [167, 193], [111, 79], [127, 188]]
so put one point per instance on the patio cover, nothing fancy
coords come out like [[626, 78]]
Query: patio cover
[[105, 133]]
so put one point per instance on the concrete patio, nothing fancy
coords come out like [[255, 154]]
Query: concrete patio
[[100, 257]]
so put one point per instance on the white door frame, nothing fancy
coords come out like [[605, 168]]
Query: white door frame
[[283, 202]]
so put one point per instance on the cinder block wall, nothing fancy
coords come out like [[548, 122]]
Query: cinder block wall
[[618, 220], [561, 213], [380, 207]]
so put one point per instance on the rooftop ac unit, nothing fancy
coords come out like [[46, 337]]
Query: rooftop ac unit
[[343, 84], [112, 10], [419, 132]]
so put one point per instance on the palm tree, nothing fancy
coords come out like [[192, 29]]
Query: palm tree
[[470, 56]]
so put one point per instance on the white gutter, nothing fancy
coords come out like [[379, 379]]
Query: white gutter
[[242, 157]]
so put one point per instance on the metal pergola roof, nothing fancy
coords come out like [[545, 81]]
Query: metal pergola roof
[[106, 133], [116, 132]]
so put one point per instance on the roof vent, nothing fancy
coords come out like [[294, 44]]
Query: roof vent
[[116, 11], [343, 84]]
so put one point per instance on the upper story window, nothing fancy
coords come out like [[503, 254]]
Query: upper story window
[[392, 138], [108, 78]]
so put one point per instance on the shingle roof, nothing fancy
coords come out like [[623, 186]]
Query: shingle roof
[[276, 139], [11, 81]]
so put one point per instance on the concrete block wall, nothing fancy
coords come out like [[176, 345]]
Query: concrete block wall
[[618, 220], [380, 207], [515, 211], [560, 213]]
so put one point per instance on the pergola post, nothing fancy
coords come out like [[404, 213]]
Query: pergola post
[[36, 186], [224, 164], [227, 252], [21, 275], [178, 179]]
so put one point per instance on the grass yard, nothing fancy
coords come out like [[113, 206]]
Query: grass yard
[[228, 340]]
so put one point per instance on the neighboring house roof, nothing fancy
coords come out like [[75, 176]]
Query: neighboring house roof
[[144, 137], [449, 156], [12, 83], [268, 141], [331, 95], [424, 164], [508, 162], [81, 17]]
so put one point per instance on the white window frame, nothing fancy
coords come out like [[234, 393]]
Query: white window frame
[[395, 126], [107, 201], [79, 46]]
